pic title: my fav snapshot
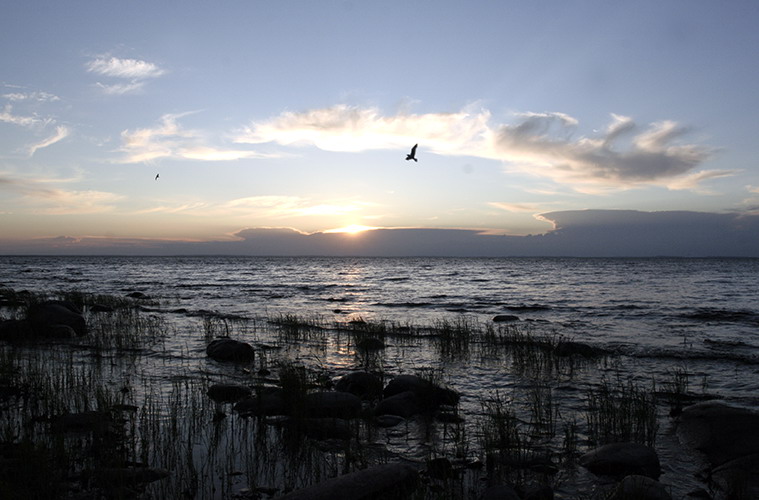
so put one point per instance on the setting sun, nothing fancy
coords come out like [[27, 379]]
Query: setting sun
[[351, 229]]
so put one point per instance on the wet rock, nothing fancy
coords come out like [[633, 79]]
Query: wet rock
[[88, 421], [502, 492], [100, 308], [429, 394], [440, 468], [569, 348], [505, 318], [15, 329], [230, 350], [722, 432], [738, 478], [326, 428], [47, 315], [388, 420], [137, 295], [269, 402], [228, 393], [370, 344], [333, 404], [622, 459], [120, 476], [365, 385], [397, 481], [635, 487], [406, 404]]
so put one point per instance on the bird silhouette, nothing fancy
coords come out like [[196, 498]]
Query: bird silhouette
[[156, 176], [412, 154]]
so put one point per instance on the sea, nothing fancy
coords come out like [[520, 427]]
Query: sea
[[659, 316]]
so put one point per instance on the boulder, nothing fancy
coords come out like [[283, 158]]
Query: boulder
[[15, 329], [333, 404], [429, 394], [228, 393], [365, 385], [269, 402], [230, 350], [635, 487], [505, 318], [622, 459], [569, 348], [326, 428], [396, 481], [405, 404], [738, 478], [722, 432], [47, 315], [370, 344], [501, 492]]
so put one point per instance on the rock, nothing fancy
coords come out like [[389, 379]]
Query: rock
[[622, 459], [365, 385], [230, 350], [504, 318], [396, 481], [440, 468], [722, 432], [635, 487], [137, 295], [15, 329], [49, 314], [269, 402], [100, 308], [370, 344], [738, 478], [119, 476], [87, 421], [333, 404], [228, 393], [326, 428], [569, 348], [388, 420], [405, 404], [502, 492], [429, 394]]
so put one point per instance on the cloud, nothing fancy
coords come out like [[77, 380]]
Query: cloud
[[352, 129], [36, 197], [580, 233], [7, 116], [169, 140], [622, 156], [124, 68], [134, 71], [31, 96], [60, 134]]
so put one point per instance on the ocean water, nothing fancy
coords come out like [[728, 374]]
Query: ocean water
[[657, 316]]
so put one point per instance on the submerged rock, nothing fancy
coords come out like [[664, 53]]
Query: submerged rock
[[397, 481], [505, 318], [269, 402], [230, 350], [333, 404], [47, 317], [228, 393], [569, 348], [429, 394], [365, 385], [622, 459], [635, 487], [406, 404]]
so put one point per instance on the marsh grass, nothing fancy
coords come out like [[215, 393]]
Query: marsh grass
[[622, 411]]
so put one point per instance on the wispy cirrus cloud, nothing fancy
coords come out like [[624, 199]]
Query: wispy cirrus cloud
[[168, 139], [36, 197], [8, 116], [31, 96], [622, 156], [130, 74], [60, 134]]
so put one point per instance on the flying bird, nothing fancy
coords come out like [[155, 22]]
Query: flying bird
[[412, 154], [156, 176]]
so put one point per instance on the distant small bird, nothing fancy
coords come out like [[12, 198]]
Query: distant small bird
[[412, 154], [156, 176]]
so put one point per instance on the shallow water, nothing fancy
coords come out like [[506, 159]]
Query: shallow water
[[658, 316]]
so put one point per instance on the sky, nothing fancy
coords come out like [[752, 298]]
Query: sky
[[190, 127]]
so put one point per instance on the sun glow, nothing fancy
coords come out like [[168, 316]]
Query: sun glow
[[351, 229]]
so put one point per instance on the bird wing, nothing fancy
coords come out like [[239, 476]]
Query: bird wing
[[413, 150]]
